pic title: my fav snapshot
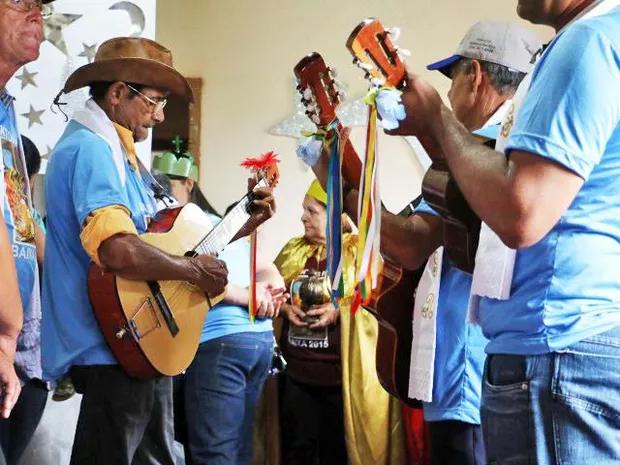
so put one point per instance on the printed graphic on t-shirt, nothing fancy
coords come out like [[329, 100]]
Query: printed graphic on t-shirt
[[19, 221], [308, 338], [16, 192]]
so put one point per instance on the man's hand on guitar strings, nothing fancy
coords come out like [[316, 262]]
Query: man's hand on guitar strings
[[211, 274], [262, 207]]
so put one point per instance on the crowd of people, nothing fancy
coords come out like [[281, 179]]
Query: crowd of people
[[525, 366]]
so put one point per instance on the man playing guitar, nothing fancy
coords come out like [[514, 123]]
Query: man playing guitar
[[483, 83], [97, 203], [550, 388]]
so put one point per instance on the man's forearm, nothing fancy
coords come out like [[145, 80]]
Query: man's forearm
[[11, 313], [409, 241], [132, 258], [482, 174], [405, 241]]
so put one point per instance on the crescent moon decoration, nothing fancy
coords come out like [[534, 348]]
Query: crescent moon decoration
[[136, 16]]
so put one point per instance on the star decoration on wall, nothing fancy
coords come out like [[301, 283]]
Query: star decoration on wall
[[46, 155], [297, 122], [351, 113], [33, 116], [88, 52], [27, 78], [53, 29]]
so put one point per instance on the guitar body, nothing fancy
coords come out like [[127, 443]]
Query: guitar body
[[461, 226], [134, 324], [392, 304]]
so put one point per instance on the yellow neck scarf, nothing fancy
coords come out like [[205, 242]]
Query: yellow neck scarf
[[126, 137]]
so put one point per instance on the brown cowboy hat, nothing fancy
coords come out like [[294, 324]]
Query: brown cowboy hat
[[132, 59]]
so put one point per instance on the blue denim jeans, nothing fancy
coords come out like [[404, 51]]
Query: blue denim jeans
[[560, 408], [221, 389]]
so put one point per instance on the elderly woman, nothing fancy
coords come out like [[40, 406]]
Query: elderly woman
[[333, 409]]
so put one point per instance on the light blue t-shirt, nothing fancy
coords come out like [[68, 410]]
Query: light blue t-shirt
[[459, 353], [224, 319], [19, 222], [81, 177], [567, 286]]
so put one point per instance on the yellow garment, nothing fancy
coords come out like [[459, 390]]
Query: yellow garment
[[126, 137], [316, 192], [372, 418], [102, 224]]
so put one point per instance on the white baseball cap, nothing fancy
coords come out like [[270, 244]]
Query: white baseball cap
[[500, 42]]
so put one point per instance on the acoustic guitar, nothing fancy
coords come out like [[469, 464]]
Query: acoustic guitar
[[375, 53], [153, 327], [391, 301]]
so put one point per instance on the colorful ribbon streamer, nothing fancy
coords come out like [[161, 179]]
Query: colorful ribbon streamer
[[256, 167], [368, 259], [334, 216]]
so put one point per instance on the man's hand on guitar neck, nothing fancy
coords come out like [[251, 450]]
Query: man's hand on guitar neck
[[262, 208], [423, 105]]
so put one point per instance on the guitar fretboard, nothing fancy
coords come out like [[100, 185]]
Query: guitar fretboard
[[230, 225]]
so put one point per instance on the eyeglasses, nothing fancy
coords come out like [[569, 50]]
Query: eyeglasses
[[28, 5], [156, 105]]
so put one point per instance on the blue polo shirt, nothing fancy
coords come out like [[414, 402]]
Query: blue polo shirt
[[567, 286], [225, 319], [459, 353], [81, 177]]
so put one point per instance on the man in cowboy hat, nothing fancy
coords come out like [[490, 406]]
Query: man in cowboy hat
[[21, 33], [97, 203]]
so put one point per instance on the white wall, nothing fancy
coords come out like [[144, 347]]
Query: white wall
[[245, 51]]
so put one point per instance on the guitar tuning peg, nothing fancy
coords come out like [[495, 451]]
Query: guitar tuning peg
[[377, 82], [366, 66], [333, 72], [341, 95], [403, 53], [315, 119], [394, 33], [307, 93]]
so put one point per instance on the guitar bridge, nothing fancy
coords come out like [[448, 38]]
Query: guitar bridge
[[144, 320]]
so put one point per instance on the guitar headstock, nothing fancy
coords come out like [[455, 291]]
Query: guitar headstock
[[264, 168], [318, 89], [374, 52], [270, 174]]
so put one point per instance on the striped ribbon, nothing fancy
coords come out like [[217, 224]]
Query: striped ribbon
[[368, 258], [334, 217]]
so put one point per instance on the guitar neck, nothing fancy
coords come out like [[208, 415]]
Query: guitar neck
[[351, 165], [227, 229]]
